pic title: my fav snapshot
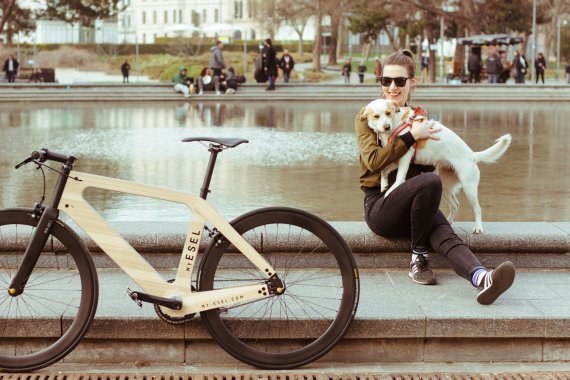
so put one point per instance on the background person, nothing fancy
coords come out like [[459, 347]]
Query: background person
[[474, 67], [377, 69], [519, 67], [208, 82], [412, 209], [125, 68], [361, 71], [424, 67], [286, 63], [11, 68], [346, 70], [182, 83], [269, 55], [540, 66], [494, 66], [217, 63]]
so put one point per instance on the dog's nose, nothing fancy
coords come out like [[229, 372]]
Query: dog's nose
[[386, 127]]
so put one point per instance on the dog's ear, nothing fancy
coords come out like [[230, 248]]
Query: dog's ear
[[363, 114], [394, 106]]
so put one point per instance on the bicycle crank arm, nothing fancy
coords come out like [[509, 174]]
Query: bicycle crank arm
[[172, 303]]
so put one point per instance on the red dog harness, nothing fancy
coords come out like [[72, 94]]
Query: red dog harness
[[418, 111]]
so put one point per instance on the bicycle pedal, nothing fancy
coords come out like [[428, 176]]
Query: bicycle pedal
[[134, 296]]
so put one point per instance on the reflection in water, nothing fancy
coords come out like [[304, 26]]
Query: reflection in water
[[300, 154]]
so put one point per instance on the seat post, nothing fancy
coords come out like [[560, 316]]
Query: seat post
[[214, 150]]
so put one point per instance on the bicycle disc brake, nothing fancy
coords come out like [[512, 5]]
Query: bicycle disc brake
[[173, 320]]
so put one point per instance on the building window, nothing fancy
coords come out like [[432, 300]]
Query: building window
[[144, 17], [166, 17], [238, 9], [216, 15], [180, 16], [196, 18], [154, 17], [174, 16], [204, 14]]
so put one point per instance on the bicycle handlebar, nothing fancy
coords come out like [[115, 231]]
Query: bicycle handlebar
[[44, 155]]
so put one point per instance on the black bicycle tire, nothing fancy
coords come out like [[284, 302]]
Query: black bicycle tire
[[87, 304], [318, 348]]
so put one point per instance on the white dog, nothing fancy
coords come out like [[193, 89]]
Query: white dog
[[454, 161]]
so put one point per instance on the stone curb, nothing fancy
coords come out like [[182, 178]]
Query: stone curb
[[291, 91]]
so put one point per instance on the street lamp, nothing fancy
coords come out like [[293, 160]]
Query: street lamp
[[532, 73], [560, 21]]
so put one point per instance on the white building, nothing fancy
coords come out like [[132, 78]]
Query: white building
[[144, 21]]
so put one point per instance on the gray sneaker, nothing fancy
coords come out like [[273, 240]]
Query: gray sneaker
[[496, 282], [420, 273]]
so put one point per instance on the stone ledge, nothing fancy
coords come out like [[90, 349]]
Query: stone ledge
[[527, 244], [499, 237]]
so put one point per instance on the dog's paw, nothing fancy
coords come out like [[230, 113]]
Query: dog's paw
[[478, 229]]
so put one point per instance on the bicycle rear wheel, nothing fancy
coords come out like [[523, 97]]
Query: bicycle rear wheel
[[318, 304], [51, 316]]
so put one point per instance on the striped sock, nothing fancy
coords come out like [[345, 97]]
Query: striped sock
[[478, 276], [416, 252]]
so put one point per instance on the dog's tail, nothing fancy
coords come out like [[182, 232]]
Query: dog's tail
[[495, 152]]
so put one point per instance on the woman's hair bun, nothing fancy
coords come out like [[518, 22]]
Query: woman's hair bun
[[408, 53]]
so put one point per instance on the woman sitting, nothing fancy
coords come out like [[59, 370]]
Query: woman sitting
[[207, 82]]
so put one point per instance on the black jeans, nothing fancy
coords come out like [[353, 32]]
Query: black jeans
[[412, 210]]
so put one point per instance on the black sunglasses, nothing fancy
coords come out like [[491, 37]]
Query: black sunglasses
[[387, 81]]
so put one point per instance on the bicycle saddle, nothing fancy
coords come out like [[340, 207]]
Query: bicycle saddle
[[228, 142]]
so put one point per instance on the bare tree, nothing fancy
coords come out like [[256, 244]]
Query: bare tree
[[267, 15], [295, 13], [85, 12], [335, 9], [368, 19]]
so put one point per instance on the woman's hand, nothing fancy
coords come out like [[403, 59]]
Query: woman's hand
[[424, 130]]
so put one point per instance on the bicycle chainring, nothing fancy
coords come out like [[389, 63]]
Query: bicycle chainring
[[173, 320]]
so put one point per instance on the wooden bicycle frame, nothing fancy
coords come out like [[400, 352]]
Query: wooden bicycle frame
[[135, 266]]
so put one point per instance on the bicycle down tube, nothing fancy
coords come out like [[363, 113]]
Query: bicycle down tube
[[129, 260]]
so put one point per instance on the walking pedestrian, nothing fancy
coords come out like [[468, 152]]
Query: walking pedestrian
[[412, 209], [568, 70], [125, 68], [540, 67], [217, 63], [11, 68], [269, 55], [286, 63]]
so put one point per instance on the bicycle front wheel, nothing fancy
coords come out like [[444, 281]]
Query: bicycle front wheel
[[321, 289], [45, 322]]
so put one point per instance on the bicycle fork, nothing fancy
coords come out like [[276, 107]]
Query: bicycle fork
[[33, 251]]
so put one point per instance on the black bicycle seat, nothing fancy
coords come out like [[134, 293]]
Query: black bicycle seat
[[228, 142]]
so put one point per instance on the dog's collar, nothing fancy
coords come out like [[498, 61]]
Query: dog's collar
[[418, 111]]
